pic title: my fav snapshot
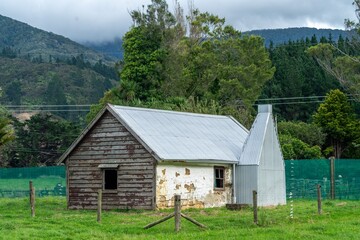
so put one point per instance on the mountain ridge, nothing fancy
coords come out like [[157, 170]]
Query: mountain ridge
[[283, 35], [43, 68], [276, 36], [31, 42]]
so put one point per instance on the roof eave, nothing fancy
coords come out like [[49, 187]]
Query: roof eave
[[124, 123], [81, 136], [210, 161]]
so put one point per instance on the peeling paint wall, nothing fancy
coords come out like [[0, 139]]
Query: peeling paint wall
[[195, 184]]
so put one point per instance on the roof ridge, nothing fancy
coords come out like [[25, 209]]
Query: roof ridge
[[169, 111]]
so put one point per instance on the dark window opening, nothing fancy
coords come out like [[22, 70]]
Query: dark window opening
[[219, 177], [110, 176]]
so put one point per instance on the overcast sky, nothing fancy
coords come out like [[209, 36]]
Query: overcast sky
[[99, 20]]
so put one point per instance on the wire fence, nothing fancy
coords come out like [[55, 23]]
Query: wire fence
[[48, 181], [302, 178]]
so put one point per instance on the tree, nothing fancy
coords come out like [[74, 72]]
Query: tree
[[337, 119], [345, 68], [300, 140], [143, 49], [309, 133], [217, 62], [39, 141], [6, 131], [293, 148], [6, 128], [297, 75], [169, 56], [13, 92], [55, 94], [343, 64]]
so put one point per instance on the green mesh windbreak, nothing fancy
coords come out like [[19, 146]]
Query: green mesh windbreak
[[303, 176], [14, 182]]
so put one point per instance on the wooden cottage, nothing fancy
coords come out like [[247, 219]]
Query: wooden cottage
[[141, 157]]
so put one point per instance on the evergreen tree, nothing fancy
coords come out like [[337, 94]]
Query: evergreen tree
[[13, 92], [213, 62], [337, 119], [343, 65], [297, 75], [39, 141]]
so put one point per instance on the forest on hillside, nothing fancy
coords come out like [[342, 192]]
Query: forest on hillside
[[197, 63]]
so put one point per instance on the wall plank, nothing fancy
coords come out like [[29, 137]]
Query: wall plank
[[110, 142]]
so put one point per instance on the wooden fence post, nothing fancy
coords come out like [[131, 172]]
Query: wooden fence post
[[32, 198], [255, 207], [319, 198], [332, 177], [99, 206], [177, 213]]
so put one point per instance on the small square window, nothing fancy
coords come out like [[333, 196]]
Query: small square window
[[219, 177], [110, 177]]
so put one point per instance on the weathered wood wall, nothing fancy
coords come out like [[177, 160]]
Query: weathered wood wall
[[109, 142]]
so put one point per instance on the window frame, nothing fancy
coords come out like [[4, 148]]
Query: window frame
[[104, 179], [222, 179]]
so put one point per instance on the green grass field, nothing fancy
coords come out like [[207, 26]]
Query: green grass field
[[340, 220]]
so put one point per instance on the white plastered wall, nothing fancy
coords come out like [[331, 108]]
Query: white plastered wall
[[195, 184]]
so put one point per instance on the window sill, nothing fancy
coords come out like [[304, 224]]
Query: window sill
[[219, 189], [110, 190]]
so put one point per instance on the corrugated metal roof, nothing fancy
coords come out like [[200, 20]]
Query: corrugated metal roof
[[185, 136], [254, 143]]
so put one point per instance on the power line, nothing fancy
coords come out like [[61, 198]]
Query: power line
[[43, 105], [311, 99]]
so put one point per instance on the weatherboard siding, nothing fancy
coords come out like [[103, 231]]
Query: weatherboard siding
[[108, 142]]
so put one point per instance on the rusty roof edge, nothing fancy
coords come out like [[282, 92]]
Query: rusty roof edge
[[81, 136], [123, 122]]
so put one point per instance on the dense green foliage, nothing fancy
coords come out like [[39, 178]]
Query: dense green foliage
[[214, 63], [25, 82], [343, 61], [300, 140], [273, 36], [337, 119], [297, 76], [39, 141], [41, 68], [6, 130], [53, 221]]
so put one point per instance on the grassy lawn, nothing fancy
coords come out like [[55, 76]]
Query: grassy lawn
[[340, 220]]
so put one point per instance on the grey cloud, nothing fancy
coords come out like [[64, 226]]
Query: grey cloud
[[97, 20]]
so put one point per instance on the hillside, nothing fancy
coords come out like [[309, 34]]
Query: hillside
[[42, 68], [279, 36], [112, 48], [26, 82], [32, 43]]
